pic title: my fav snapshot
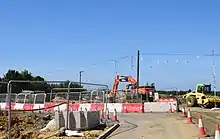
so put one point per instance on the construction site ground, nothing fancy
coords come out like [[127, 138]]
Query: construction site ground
[[165, 125], [133, 125], [26, 125]]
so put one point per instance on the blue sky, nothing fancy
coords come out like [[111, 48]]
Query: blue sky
[[56, 39]]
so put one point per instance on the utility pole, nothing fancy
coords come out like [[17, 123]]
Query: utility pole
[[138, 70], [214, 77], [80, 77]]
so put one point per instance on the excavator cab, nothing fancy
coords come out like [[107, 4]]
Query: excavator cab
[[145, 92]]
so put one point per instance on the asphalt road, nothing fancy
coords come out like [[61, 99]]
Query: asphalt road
[[153, 126]]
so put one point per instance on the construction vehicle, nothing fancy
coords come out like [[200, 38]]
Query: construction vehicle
[[142, 90], [201, 97]]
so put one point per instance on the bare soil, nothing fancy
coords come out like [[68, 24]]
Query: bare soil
[[24, 125]]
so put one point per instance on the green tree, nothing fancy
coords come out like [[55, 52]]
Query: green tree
[[26, 75]]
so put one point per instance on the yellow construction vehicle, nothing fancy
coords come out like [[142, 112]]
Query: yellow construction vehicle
[[201, 97]]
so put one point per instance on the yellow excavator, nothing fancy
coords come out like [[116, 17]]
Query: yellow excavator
[[202, 96]]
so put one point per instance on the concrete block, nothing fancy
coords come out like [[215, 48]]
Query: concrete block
[[59, 120], [147, 107], [156, 107], [92, 118], [159, 106], [80, 119], [71, 122]]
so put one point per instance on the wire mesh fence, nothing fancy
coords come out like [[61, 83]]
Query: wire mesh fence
[[40, 92]]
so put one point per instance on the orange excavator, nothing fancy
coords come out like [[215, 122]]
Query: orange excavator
[[133, 85]]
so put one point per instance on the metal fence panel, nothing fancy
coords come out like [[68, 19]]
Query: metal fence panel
[[92, 93]]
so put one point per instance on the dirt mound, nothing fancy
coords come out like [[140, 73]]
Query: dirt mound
[[24, 125]]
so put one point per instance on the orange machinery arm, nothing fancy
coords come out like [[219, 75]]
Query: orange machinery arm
[[118, 79]]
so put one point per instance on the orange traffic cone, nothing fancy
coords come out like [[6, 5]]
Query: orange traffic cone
[[107, 114], [102, 114], [201, 131], [114, 118], [170, 109], [183, 112], [217, 132], [189, 118]]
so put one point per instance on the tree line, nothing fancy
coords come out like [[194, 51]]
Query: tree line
[[12, 74]]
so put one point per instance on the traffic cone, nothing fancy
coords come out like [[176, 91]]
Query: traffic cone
[[201, 131], [102, 114], [189, 118], [126, 110], [114, 118], [107, 114], [183, 112], [217, 132], [170, 109], [175, 110]]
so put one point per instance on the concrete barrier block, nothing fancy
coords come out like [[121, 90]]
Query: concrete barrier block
[[80, 119], [92, 118], [147, 107], [159, 106], [71, 122], [59, 120], [156, 107]]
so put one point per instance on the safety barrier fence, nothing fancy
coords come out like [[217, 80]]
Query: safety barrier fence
[[163, 105]]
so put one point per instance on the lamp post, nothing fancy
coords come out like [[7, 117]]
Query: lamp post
[[80, 77]]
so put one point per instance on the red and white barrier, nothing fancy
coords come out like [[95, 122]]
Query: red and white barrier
[[132, 107], [159, 106]]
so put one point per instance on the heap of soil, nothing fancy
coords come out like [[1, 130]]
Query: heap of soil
[[24, 125]]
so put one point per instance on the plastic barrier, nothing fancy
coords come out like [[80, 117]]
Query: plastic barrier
[[19, 106], [38, 106], [3, 106], [97, 106], [28, 106], [85, 106], [12, 106], [132, 107], [49, 107], [162, 106], [174, 106], [74, 107], [166, 100], [112, 106], [60, 107]]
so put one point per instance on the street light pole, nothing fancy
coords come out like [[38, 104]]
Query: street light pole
[[213, 74], [80, 77]]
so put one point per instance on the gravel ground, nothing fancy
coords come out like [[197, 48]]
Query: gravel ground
[[210, 119]]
